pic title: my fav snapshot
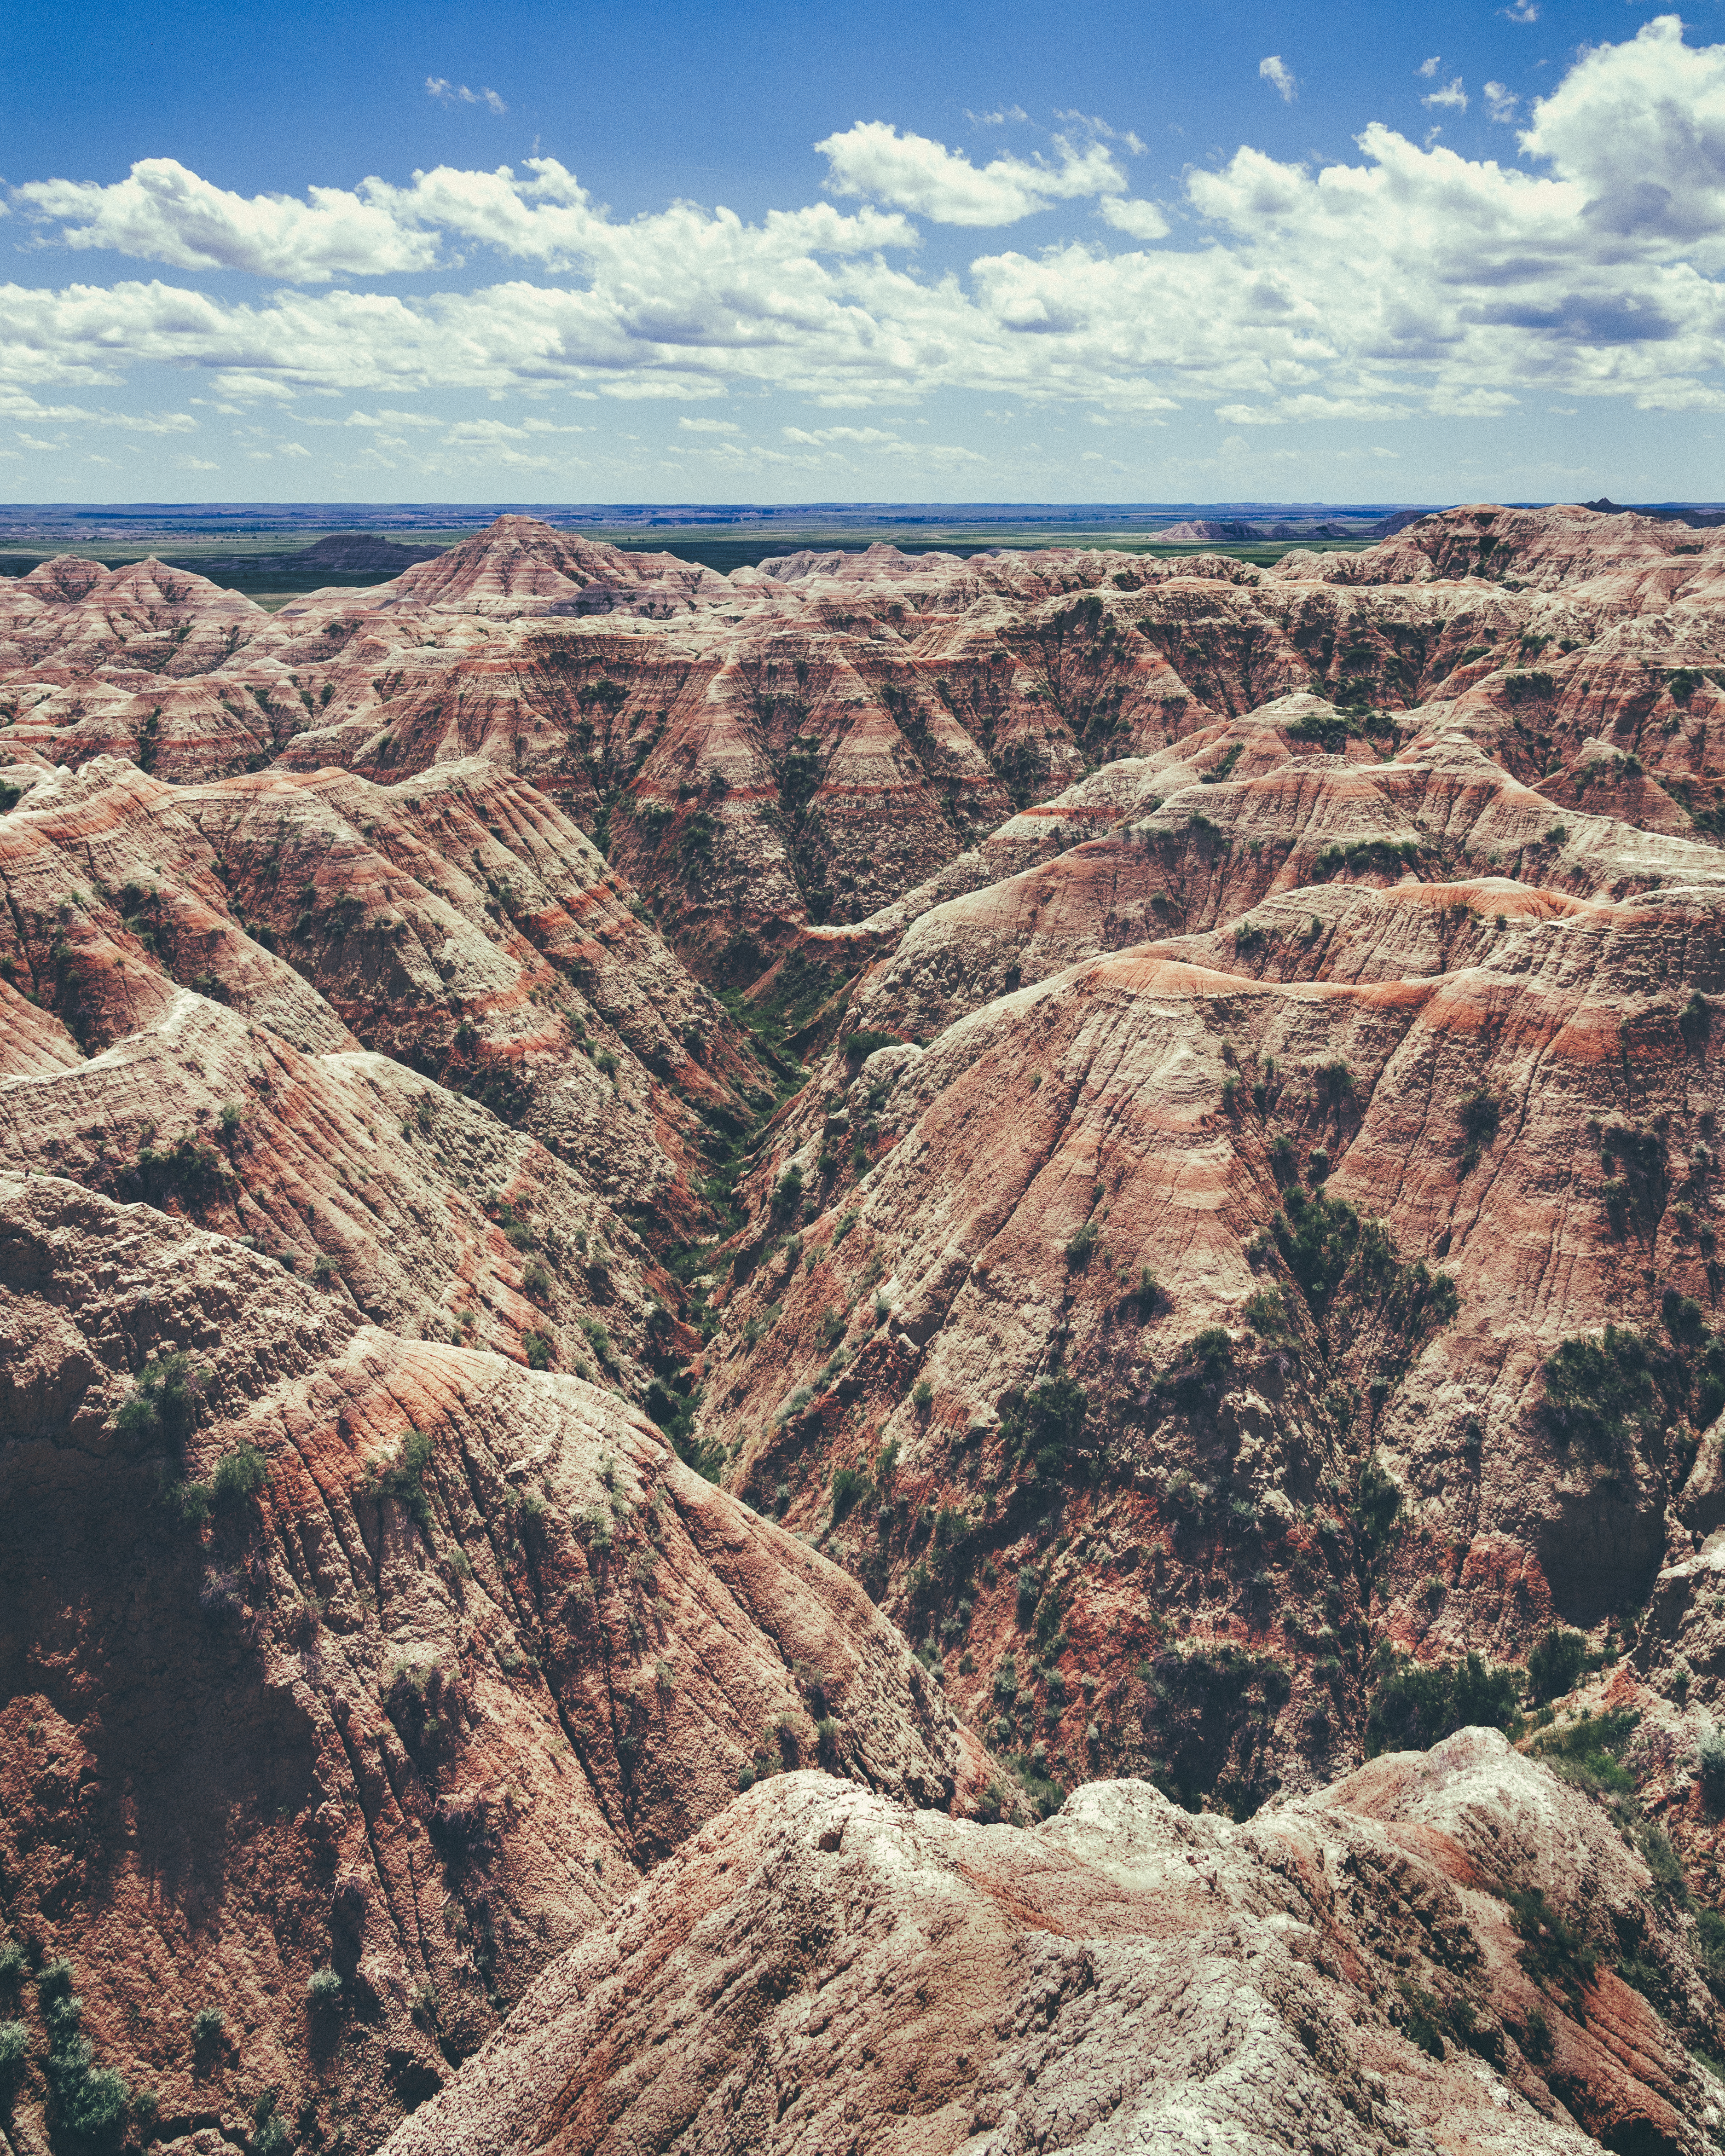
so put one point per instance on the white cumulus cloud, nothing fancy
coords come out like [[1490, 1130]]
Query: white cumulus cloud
[[1500, 104], [1280, 78], [1142, 220], [1399, 279], [1451, 98], [912, 173], [162, 213]]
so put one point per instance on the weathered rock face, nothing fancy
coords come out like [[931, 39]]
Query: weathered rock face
[[817, 1970], [1261, 1031], [347, 1652], [458, 923], [809, 741], [982, 1214]]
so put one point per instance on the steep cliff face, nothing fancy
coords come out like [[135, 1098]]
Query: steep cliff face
[[1346, 1974], [323, 1650]]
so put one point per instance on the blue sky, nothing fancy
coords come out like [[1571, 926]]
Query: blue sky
[[1155, 251]]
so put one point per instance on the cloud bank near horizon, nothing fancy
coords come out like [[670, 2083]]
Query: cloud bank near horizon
[[1414, 281]]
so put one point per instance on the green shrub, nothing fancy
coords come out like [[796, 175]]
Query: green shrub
[[1046, 1795], [535, 1280], [862, 1044], [164, 1400], [1417, 1705], [1608, 1392], [1211, 1353], [13, 1961], [1585, 1751], [1555, 1663], [1377, 1506], [921, 1395], [850, 1486], [206, 2026], [271, 2134], [1663, 1862], [1080, 1249], [1049, 1421], [90, 2101], [1552, 1952], [1317, 1237], [539, 1349], [323, 1989], [189, 1502], [239, 1476], [1710, 1764], [405, 1480], [14, 2050], [1710, 1929]]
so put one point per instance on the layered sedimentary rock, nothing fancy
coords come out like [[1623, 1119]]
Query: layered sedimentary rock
[[325, 1650], [1161, 1117], [458, 924], [811, 740], [819, 1970]]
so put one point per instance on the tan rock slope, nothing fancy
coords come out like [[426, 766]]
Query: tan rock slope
[[325, 1650], [1150, 1129], [820, 1969]]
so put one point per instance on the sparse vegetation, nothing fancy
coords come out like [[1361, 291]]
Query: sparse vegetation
[[239, 1476], [164, 1402], [403, 1480], [1416, 1705], [1555, 1663]]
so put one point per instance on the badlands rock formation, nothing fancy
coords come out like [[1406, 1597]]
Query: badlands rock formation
[[328, 1649], [1048, 1173], [1350, 1974]]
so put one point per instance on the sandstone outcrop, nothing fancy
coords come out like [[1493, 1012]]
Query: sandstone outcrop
[[1150, 1129]]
